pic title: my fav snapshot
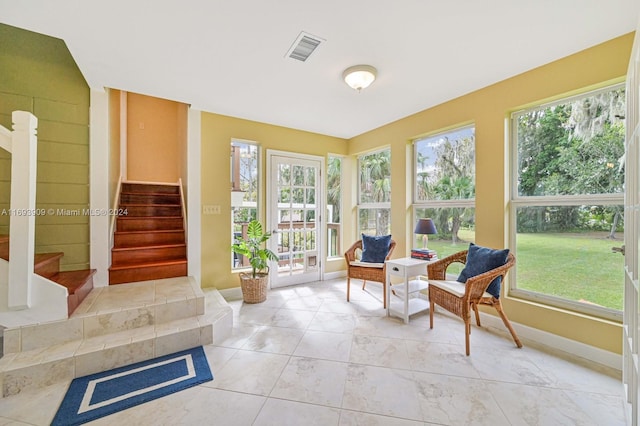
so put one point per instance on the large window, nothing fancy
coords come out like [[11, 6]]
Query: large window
[[444, 183], [567, 202], [374, 193], [244, 191], [334, 201]]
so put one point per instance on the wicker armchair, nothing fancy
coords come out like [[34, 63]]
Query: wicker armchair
[[460, 299], [367, 272]]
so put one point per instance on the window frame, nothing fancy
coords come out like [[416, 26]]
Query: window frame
[[385, 205], [258, 201], [339, 251], [517, 201], [438, 204]]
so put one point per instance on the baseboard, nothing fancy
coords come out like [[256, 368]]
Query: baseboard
[[334, 275], [556, 343]]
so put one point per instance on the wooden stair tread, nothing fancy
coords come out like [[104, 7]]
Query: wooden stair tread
[[148, 264], [125, 205], [149, 242], [73, 279], [149, 217], [159, 231], [155, 246], [43, 258], [149, 193]]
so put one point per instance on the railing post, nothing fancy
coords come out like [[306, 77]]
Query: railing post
[[22, 208]]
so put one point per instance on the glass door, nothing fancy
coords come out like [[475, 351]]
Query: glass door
[[294, 218]]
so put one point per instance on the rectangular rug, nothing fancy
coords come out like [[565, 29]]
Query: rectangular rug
[[98, 395]]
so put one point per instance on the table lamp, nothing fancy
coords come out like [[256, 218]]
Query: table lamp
[[425, 227]]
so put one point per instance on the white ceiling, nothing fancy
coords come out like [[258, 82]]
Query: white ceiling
[[228, 57]]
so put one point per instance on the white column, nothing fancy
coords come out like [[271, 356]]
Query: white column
[[99, 186], [194, 231], [23, 203]]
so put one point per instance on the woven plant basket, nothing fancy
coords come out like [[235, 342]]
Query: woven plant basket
[[254, 290]]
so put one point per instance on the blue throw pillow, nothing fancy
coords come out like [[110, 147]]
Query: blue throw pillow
[[375, 249], [480, 260]]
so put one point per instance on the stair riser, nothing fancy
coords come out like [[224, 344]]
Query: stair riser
[[146, 189], [15, 381], [142, 255], [139, 198], [137, 273], [4, 248], [155, 224], [150, 211], [148, 239], [43, 335], [79, 294], [47, 265]]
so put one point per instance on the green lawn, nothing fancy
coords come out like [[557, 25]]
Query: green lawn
[[579, 267]]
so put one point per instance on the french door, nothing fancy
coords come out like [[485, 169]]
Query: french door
[[631, 331], [294, 216]]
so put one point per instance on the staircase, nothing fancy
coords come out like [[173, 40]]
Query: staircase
[[47, 265], [149, 241], [114, 326]]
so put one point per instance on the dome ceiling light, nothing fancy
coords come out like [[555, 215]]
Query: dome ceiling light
[[359, 77]]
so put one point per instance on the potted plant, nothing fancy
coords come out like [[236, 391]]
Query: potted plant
[[254, 285]]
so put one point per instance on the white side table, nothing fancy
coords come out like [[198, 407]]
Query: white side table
[[410, 270]]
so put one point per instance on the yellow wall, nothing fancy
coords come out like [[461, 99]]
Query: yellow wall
[[489, 108], [217, 133], [156, 135], [38, 74]]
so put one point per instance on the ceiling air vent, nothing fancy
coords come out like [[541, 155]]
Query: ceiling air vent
[[304, 46]]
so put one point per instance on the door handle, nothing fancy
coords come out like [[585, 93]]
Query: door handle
[[618, 250]]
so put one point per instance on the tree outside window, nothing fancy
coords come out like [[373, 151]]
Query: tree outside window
[[444, 182], [374, 195], [334, 200], [568, 202]]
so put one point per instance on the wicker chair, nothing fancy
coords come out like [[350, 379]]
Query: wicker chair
[[367, 272], [460, 299]]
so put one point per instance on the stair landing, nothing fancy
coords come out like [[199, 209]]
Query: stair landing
[[114, 326]]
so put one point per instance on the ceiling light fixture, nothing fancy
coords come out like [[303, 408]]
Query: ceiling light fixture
[[359, 77]]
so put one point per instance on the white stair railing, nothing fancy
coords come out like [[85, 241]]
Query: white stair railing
[[23, 148], [39, 298]]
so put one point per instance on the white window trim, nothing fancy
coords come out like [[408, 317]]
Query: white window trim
[[518, 201], [366, 205]]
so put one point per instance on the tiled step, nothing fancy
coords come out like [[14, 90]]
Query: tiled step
[[147, 238], [147, 271], [129, 223], [152, 210], [113, 327], [143, 188], [148, 198], [136, 255]]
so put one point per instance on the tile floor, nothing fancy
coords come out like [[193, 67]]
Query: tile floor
[[307, 357]]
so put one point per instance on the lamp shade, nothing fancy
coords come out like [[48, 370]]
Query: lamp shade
[[425, 227], [360, 76]]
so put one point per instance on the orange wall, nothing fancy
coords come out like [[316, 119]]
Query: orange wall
[[156, 137]]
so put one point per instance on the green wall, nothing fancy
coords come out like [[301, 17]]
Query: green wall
[[38, 74]]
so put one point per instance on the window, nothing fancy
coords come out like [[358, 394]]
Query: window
[[444, 183], [567, 202], [244, 192], [334, 201], [374, 193]]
